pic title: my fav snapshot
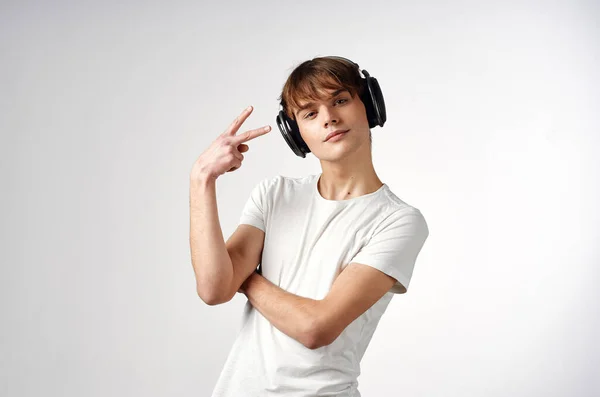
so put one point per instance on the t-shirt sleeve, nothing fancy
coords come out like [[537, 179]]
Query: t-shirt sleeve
[[394, 246], [254, 211]]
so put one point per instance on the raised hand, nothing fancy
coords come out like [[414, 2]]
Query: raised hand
[[225, 152]]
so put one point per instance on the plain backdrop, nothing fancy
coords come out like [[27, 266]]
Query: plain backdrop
[[493, 132]]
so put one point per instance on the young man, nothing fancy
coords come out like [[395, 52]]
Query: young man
[[333, 247]]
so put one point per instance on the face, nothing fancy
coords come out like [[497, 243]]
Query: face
[[339, 111]]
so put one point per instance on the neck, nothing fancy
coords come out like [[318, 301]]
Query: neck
[[350, 177]]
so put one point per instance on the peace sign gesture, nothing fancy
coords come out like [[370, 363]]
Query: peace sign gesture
[[225, 153]]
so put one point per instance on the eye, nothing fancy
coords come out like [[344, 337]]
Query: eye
[[343, 100]]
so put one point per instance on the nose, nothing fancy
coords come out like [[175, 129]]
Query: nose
[[330, 117]]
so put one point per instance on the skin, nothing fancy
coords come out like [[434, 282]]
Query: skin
[[347, 165]]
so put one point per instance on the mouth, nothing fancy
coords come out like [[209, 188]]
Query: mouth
[[335, 133]]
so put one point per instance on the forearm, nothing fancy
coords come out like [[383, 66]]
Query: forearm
[[293, 315], [211, 262]]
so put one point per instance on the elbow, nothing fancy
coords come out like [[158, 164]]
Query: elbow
[[212, 299], [316, 341], [313, 344], [317, 337], [213, 294]]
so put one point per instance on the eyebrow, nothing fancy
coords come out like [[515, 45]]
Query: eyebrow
[[309, 104]]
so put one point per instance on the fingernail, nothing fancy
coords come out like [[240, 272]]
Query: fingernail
[[249, 107]]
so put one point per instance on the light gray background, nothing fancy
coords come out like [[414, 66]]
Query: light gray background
[[492, 131]]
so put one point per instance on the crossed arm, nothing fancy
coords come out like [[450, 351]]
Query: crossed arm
[[317, 323]]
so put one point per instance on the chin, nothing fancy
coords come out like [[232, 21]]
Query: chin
[[339, 151]]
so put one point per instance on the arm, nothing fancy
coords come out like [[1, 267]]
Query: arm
[[214, 267], [291, 314], [210, 259], [316, 323], [393, 248]]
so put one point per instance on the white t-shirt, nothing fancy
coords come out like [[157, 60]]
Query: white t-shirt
[[308, 241]]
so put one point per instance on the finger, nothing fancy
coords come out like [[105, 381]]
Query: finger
[[238, 121], [251, 134], [238, 155], [234, 168]]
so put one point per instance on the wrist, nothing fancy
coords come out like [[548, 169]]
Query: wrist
[[200, 175], [248, 282], [201, 180]]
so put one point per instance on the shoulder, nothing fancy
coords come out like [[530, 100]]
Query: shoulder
[[391, 203], [266, 184], [274, 187], [395, 210], [280, 182]]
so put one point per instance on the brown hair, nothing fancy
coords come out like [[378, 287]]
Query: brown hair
[[305, 81], [308, 78]]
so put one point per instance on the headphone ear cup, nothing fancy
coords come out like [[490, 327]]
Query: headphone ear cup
[[368, 102], [291, 133], [378, 102], [374, 103]]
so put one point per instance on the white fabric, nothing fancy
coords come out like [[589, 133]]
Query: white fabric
[[308, 241]]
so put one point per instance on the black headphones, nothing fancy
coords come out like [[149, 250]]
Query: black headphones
[[371, 97]]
